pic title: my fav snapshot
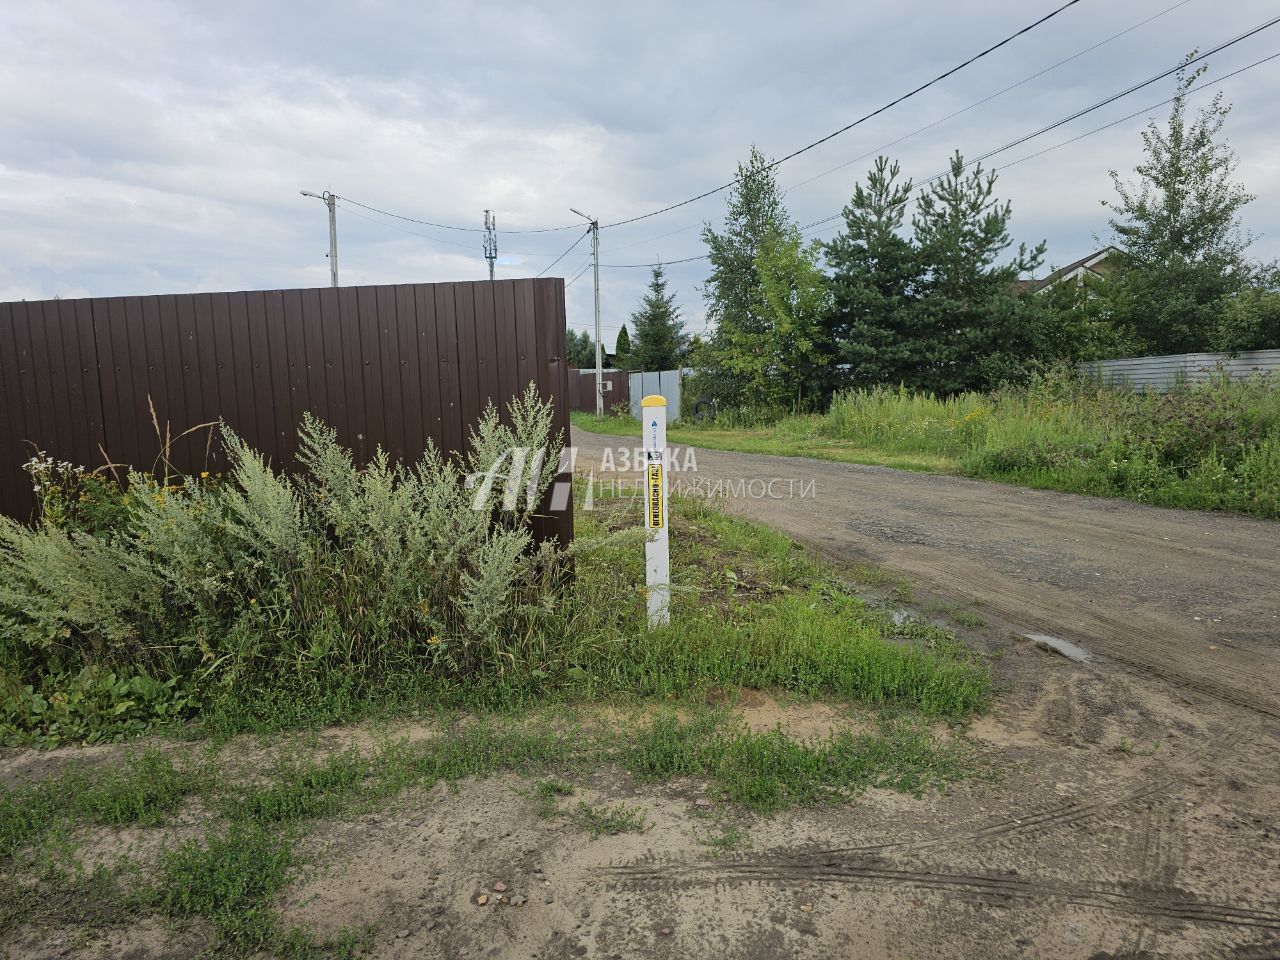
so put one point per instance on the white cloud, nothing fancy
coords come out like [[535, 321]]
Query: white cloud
[[149, 147]]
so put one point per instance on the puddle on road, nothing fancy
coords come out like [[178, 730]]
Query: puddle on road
[[899, 616], [1072, 651]]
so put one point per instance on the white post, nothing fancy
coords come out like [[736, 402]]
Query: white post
[[657, 555]]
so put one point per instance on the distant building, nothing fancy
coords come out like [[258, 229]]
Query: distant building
[[1094, 265]]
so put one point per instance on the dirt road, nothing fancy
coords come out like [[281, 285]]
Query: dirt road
[[1190, 598]]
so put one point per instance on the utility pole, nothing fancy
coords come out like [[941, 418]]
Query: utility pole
[[490, 240], [331, 201], [595, 263]]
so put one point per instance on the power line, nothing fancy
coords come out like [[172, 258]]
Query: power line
[[577, 276], [1123, 93], [1107, 126], [662, 236], [427, 236], [446, 226], [392, 226], [929, 126], [1198, 88], [563, 255], [988, 99], [1097, 106], [849, 126], [659, 263]]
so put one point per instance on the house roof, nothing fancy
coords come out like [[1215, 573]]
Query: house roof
[[1086, 264]]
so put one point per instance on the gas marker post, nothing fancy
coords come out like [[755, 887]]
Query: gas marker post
[[657, 554]]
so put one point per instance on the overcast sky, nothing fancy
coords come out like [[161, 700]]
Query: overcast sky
[[159, 148]]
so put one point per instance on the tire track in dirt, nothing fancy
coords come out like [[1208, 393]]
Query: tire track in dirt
[[1161, 853], [1071, 813], [1131, 899], [1063, 815]]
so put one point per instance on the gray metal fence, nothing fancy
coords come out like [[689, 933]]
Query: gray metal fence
[[665, 382], [1163, 373]]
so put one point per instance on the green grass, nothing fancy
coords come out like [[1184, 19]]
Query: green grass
[[145, 789], [1215, 446], [750, 607], [304, 789], [767, 772], [230, 878], [548, 792], [725, 837], [814, 644], [610, 821]]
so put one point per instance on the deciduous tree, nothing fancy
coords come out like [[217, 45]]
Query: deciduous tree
[[1178, 228]]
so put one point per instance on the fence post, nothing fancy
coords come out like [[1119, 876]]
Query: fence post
[[657, 555]]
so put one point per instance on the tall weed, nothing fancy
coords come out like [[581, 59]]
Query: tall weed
[[1209, 446], [338, 576]]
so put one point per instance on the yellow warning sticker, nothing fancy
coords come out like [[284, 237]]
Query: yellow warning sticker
[[653, 515]]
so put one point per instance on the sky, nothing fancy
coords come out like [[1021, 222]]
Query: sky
[[160, 147]]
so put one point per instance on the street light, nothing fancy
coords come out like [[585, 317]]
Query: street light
[[331, 201]]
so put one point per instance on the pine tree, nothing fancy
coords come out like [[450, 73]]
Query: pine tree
[[982, 333], [622, 350], [876, 275], [660, 342], [937, 310], [1178, 229]]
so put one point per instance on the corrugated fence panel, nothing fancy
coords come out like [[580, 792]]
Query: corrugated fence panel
[[616, 385], [666, 382], [1163, 373], [390, 366]]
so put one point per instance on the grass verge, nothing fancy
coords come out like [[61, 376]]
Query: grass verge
[[793, 437], [230, 878]]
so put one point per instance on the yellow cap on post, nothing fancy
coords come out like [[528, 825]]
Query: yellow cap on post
[[654, 400]]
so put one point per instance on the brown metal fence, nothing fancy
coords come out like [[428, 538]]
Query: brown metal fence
[[582, 390], [389, 366]]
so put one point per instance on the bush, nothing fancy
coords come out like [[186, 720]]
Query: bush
[[336, 578]]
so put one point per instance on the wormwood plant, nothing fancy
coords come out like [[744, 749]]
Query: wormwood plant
[[338, 576]]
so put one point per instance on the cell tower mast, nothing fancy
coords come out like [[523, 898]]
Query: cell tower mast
[[490, 240]]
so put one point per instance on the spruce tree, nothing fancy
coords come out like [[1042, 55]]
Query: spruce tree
[[660, 342], [579, 349], [622, 350]]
